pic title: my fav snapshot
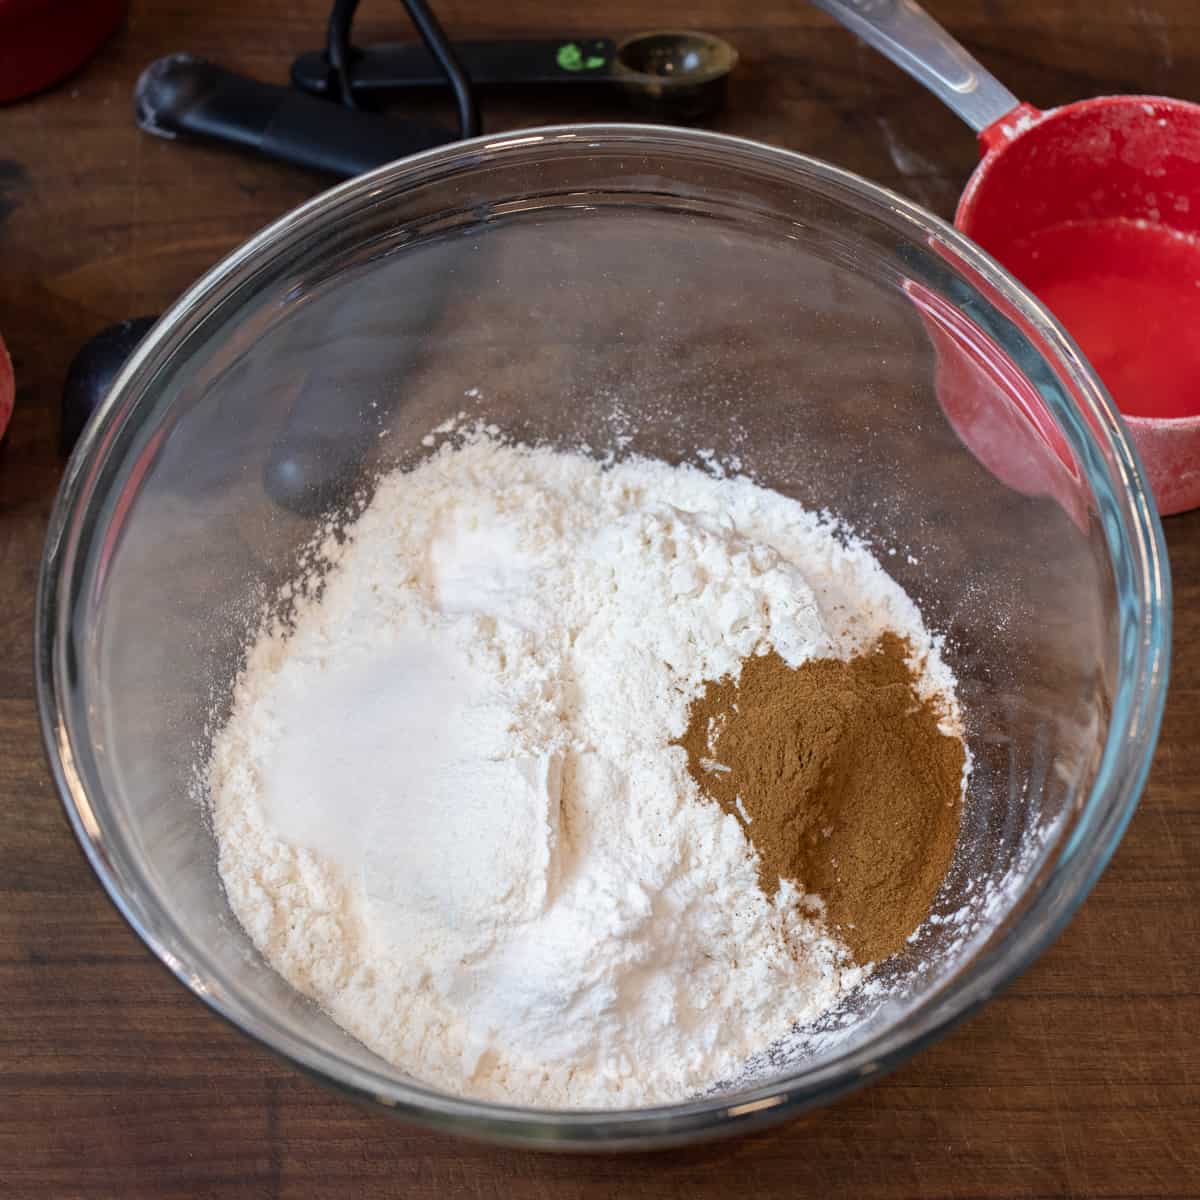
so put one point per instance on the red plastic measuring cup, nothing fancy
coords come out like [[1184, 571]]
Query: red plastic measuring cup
[[1095, 208]]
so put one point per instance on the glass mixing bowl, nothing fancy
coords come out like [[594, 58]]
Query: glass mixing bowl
[[637, 290]]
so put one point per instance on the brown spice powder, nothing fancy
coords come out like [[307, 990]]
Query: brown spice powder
[[849, 787]]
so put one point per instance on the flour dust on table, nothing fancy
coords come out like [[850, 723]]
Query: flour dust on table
[[451, 802]]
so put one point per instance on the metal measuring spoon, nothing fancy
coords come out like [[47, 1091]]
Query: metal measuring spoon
[[679, 74]]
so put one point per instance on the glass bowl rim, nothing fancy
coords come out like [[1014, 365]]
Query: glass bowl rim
[[1132, 532]]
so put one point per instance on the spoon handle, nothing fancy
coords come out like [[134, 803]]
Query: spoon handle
[[904, 32], [181, 94], [389, 67]]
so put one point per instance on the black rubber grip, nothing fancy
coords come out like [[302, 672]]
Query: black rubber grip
[[182, 95]]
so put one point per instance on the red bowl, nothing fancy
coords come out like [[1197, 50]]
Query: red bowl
[[43, 41]]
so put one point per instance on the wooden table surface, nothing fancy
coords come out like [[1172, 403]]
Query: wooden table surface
[[1082, 1080]]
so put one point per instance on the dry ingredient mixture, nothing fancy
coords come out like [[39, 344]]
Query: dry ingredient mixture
[[453, 803]]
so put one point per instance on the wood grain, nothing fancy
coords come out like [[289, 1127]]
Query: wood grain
[[1082, 1080]]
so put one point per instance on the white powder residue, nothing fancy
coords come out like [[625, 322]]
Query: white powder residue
[[447, 804]]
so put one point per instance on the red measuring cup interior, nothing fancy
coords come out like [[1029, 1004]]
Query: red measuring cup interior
[[1095, 207]]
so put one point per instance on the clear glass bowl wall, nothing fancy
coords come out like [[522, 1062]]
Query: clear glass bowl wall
[[637, 291]]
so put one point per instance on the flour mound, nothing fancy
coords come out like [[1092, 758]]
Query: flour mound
[[447, 804]]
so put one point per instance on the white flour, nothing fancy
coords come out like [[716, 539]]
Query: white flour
[[447, 804]]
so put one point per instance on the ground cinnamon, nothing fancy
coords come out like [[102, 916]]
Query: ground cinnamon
[[843, 782]]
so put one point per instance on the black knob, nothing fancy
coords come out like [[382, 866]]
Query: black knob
[[91, 374]]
